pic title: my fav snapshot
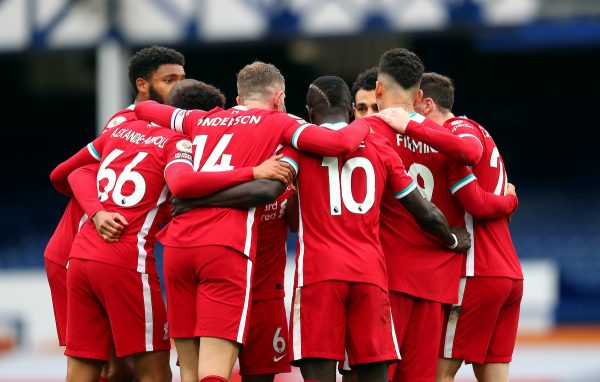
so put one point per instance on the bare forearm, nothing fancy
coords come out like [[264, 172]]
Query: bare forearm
[[428, 217], [246, 195]]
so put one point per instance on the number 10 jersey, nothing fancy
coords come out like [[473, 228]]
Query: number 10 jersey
[[339, 200]]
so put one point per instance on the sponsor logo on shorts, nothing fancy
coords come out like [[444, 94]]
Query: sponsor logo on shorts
[[277, 359]]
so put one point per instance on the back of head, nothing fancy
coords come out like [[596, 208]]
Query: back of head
[[401, 66], [145, 62], [365, 81], [192, 94], [439, 88], [329, 95], [259, 80]]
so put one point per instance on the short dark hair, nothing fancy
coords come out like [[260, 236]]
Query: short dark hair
[[403, 66], [439, 88], [329, 93], [193, 94], [145, 62], [365, 81], [259, 79]]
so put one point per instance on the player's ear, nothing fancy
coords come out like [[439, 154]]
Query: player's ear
[[418, 98], [429, 105], [238, 100], [311, 114], [278, 101], [378, 89], [141, 85]]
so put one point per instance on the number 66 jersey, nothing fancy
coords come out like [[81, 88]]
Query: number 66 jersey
[[133, 159]]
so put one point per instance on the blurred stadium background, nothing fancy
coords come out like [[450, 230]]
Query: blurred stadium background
[[528, 70]]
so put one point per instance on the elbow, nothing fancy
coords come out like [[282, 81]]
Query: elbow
[[58, 184], [180, 192], [472, 158]]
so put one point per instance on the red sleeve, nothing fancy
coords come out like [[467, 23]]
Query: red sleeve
[[460, 148], [87, 155], [83, 184], [168, 116], [292, 157], [482, 204], [321, 140], [185, 183], [398, 182]]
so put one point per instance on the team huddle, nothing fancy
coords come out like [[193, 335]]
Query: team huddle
[[405, 267]]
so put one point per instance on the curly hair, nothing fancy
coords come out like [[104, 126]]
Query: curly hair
[[192, 94], [403, 66], [145, 62], [365, 81]]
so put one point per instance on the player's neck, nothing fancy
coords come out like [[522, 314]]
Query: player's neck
[[333, 118], [440, 117], [255, 104], [397, 100]]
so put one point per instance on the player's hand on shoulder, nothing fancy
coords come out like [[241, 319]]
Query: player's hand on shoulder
[[110, 225], [396, 117], [463, 238], [272, 168]]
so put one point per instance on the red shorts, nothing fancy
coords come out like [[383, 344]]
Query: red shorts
[[266, 350], [57, 279], [330, 317], [208, 292], [482, 328], [418, 323], [113, 305]]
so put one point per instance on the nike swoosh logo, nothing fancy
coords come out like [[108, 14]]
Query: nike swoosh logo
[[277, 359]]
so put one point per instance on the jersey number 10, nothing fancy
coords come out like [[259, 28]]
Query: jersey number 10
[[340, 185]]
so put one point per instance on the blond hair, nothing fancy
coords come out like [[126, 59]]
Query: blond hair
[[259, 80]]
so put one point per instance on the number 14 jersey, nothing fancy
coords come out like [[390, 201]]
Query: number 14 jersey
[[234, 138]]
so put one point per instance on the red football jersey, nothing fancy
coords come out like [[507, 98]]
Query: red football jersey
[[492, 251], [271, 250], [234, 138], [133, 159], [339, 200], [60, 243], [418, 263]]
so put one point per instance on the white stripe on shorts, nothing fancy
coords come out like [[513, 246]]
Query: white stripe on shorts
[[453, 320], [296, 319], [249, 224], [394, 338], [148, 313], [240, 335]]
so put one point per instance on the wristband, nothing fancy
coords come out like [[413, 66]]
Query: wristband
[[455, 242]]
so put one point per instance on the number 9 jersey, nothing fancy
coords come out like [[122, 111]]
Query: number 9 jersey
[[133, 159]]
